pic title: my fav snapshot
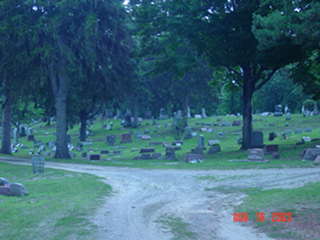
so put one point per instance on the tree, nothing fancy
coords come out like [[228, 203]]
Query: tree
[[80, 44], [297, 22], [16, 60], [221, 30], [174, 74]]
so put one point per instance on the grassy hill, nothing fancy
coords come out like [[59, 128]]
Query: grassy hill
[[290, 153]]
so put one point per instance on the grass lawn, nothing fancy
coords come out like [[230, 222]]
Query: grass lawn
[[58, 207], [302, 202]]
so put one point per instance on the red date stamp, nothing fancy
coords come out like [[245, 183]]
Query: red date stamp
[[260, 217]]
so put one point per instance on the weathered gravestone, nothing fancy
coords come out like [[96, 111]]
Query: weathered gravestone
[[147, 150], [236, 123], [94, 157], [145, 137], [317, 160], [31, 138], [126, 138], [111, 140], [275, 155], [170, 153], [104, 152], [15, 135], [269, 149], [255, 154], [200, 147], [163, 115], [310, 154], [3, 181], [214, 149], [213, 142], [278, 111], [37, 164], [188, 112], [257, 139], [187, 133], [13, 189], [203, 113], [17, 189], [22, 131], [193, 158]]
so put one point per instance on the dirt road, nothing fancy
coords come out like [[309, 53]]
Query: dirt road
[[142, 197]]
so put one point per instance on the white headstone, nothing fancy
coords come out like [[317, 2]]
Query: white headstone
[[203, 113]]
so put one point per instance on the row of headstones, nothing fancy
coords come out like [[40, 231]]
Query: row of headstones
[[258, 154], [287, 133], [163, 115]]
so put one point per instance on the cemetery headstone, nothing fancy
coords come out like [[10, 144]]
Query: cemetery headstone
[[187, 133], [179, 124], [214, 149], [3, 181], [275, 155], [17, 189], [163, 115], [236, 123], [193, 158], [156, 155], [306, 139], [126, 138], [278, 111], [22, 131], [188, 112], [257, 139], [213, 142], [255, 154], [310, 154], [94, 157], [37, 164], [170, 153], [31, 138], [145, 156], [317, 160], [145, 137], [203, 113], [15, 135], [111, 140], [269, 149], [147, 150]]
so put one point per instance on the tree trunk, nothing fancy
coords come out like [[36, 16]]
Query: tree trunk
[[62, 150], [6, 124], [60, 86], [83, 127], [248, 90]]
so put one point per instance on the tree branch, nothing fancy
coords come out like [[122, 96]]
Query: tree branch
[[269, 76]]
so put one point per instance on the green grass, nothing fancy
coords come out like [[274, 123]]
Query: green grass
[[58, 207], [290, 153], [302, 202], [177, 227]]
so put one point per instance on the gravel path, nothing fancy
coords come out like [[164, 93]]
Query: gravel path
[[141, 197]]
